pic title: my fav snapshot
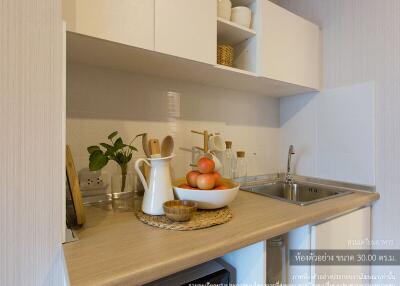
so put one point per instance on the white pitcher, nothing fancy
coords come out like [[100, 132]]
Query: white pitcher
[[159, 189]]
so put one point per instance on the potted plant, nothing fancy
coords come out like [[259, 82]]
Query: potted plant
[[117, 151]]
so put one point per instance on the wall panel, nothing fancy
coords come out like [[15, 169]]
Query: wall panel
[[31, 169]]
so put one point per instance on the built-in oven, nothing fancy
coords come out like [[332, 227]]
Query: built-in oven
[[215, 272]]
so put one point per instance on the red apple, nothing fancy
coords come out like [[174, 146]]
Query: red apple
[[221, 187], [205, 165], [205, 181], [217, 177], [191, 178], [185, 186]]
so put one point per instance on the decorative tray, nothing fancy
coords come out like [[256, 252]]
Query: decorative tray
[[200, 219]]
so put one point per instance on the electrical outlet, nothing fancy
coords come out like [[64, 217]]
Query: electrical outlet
[[91, 180]]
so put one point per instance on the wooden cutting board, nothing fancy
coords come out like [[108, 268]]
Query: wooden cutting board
[[73, 181]]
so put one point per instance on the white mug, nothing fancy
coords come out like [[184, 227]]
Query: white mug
[[210, 155], [216, 143]]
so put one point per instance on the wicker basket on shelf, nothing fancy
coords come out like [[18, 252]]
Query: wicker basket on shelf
[[225, 55]]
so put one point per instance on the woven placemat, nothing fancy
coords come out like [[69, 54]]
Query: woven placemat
[[200, 219]]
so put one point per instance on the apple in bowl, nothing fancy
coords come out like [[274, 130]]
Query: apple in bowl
[[219, 196]]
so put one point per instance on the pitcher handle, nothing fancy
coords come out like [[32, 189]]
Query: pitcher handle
[[139, 172]]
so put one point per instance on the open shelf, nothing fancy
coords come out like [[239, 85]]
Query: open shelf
[[231, 33], [232, 69], [85, 50]]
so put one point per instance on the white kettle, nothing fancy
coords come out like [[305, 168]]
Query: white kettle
[[159, 189]]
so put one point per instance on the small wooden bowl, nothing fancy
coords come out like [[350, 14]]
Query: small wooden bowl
[[179, 210]]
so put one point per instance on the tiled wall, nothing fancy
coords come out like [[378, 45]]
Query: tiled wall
[[100, 101]]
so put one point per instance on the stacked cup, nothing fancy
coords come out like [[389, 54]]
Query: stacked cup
[[240, 15]]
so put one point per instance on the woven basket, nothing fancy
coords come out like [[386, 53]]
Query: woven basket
[[225, 55], [201, 219]]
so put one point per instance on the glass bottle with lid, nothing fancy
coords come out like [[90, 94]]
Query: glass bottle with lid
[[240, 170], [228, 161]]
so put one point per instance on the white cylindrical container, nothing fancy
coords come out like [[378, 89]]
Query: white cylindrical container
[[242, 16], [159, 190], [224, 9]]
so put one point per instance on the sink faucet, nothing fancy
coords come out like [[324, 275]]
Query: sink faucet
[[289, 175]]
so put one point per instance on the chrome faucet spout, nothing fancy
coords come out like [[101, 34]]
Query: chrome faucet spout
[[289, 175]]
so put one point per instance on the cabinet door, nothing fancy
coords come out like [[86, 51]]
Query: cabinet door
[[130, 22], [289, 47], [187, 29], [345, 232], [250, 264]]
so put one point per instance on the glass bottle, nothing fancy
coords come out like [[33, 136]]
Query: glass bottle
[[240, 170], [276, 261], [228, 160]]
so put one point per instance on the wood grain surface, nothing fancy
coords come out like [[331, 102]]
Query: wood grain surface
[[73, 182], [31, 154], [117, 249]]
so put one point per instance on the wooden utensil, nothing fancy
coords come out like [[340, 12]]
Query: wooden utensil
[[206, 137], [154, 146], [73, 182], [145, 145], [167, 146]]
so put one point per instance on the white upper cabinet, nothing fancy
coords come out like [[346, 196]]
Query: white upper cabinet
[[278, 56], [289, 47], [187, 29], [129, 22]]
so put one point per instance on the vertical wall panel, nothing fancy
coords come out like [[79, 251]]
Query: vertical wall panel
[[361, 43], [30, 142]]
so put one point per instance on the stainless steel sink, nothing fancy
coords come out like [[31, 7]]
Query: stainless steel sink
[[297, 192]]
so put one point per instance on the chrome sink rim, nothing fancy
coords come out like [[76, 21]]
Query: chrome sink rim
[[339, 193]]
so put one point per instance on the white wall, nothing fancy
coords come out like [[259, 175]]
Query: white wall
[[100, 101], [333, 133], [31, 169], [361, 43]]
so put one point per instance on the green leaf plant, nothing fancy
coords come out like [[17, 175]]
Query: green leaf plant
[[116, 151]]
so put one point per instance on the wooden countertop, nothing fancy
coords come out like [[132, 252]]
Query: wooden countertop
[[117, 249]]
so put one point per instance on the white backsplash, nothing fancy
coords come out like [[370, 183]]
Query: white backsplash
[[100, 101], [333, 133]]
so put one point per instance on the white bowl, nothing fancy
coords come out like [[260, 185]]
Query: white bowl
[[242, 16], [212, 199]]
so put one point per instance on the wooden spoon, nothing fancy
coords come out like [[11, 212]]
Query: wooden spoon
[[145, 145], [154, 146], [167, 146]]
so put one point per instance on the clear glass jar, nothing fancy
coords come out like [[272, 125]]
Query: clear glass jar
[[240, 166], [122, 201], [276, 261], [228, 160]]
